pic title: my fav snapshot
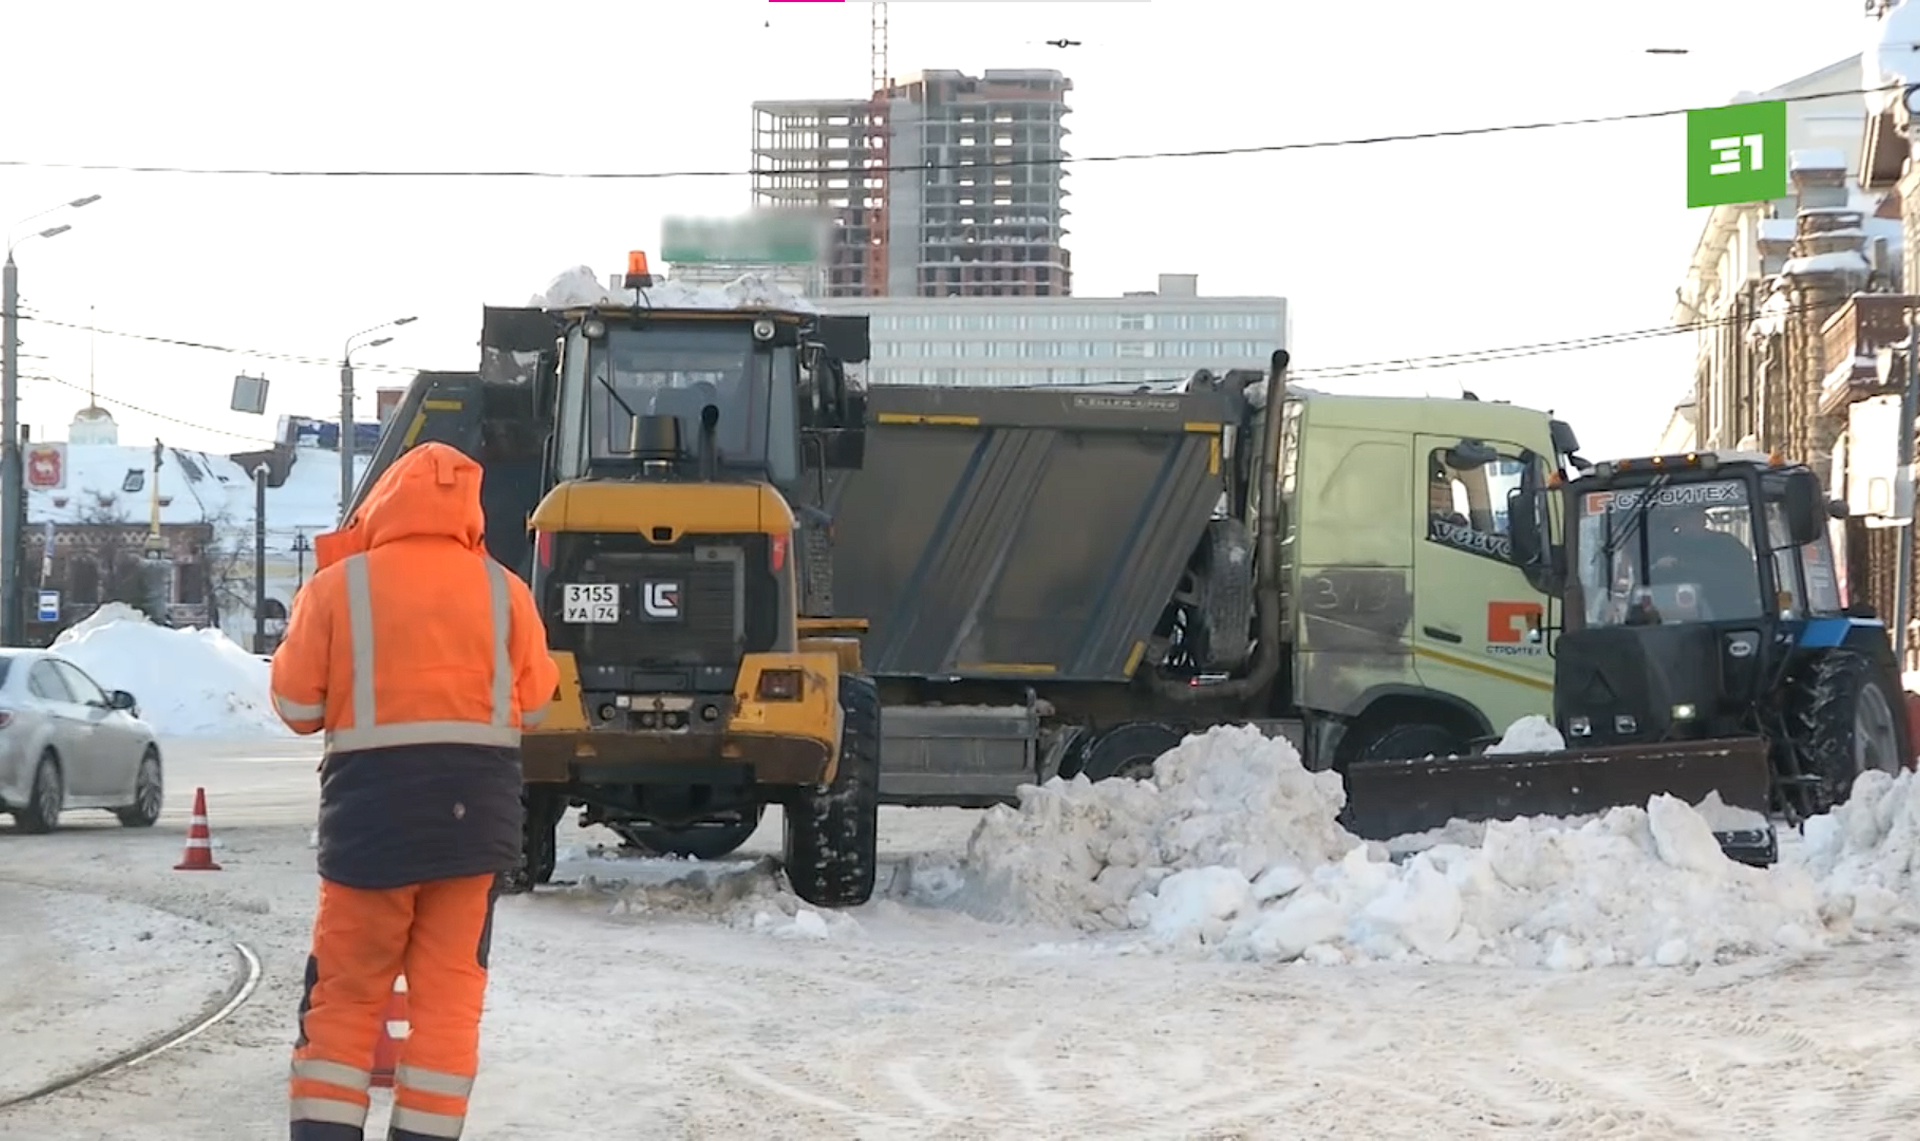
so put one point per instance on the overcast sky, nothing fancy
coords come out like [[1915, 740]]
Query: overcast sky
[[1385, 252]]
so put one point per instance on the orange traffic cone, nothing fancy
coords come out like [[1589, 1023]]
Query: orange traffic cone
[[394, 1029], [199, 854]]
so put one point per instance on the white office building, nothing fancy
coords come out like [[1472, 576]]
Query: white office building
[[1162, 335]]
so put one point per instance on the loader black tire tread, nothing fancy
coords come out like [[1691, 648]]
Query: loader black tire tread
[[1823, 717], [832, 832]]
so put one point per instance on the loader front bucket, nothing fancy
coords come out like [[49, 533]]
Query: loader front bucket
[[1386, 799]]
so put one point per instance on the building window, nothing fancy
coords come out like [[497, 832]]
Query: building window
[[1134, 321], [1131, 349]]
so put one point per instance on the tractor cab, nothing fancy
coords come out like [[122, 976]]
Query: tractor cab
[[1701, 603]]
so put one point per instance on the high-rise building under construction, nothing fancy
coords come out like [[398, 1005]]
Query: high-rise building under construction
[[944, 185]]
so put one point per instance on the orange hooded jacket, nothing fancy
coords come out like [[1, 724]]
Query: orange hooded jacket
[[409, 634]]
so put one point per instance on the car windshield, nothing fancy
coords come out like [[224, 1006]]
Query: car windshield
[[1669, 553], [677, 370]]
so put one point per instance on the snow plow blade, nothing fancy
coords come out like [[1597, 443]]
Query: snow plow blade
[[1387, 799]]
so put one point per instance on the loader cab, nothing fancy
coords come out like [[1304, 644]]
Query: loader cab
[[1686, 578], [715, 396]]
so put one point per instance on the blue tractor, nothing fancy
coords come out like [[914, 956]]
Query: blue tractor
[[1704, 647]]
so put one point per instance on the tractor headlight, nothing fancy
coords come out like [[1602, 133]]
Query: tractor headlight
[[1624, 723], [1683, 712], [1579, 727], [763, 330], [593, 330]]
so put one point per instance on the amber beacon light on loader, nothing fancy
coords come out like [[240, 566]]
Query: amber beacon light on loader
[[644, 447]]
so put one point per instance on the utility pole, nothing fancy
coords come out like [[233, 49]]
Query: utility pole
[[260, 559], [346, 405], [11, 493], [1903, 567], [13, 498], [346, 436]]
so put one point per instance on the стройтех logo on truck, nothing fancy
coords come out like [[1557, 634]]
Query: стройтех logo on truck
[[1513, 628]]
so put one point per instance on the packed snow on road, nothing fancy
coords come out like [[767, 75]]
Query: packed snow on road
[[1206, 953]]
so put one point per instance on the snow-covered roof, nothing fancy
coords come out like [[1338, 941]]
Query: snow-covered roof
[[1892, 57], [1778, 229], [1816, 158], [580, 287], [108, 483]]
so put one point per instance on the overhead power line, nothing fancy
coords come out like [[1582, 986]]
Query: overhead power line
[[204, 346], [1324, 372], [843, 171], [131, 407]]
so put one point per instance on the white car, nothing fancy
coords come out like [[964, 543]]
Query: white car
[[66, 743]]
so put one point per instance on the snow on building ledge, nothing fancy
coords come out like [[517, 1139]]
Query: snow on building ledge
[[1817, 159], [1891, 60]]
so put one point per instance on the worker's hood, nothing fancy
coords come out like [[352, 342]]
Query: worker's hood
[[432, 490]]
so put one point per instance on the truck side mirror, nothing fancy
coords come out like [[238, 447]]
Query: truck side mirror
[[1527, 527], [546, 384], [1470, 454], [1806, 508]]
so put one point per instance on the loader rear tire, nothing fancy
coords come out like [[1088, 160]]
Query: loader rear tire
[[1846, 722], [832, 831]]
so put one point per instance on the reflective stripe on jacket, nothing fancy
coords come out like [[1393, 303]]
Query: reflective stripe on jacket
[[409, 634]]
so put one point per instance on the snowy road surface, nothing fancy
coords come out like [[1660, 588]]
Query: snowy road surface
[[636, 1006]]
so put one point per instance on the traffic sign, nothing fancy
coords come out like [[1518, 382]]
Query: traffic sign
[[49, 606]]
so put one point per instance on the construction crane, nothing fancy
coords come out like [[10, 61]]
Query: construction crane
[[875, 186]]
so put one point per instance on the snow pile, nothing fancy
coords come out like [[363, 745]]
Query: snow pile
[[187, 682], [748, 895], [580, 286], [1531, 734], [1234, 847], [1866, 855]]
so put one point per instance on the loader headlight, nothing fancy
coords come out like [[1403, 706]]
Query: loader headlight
[[779, 685], [1579, 727], [593, 330], [1624, 724], [1683, 712], [763, 330]]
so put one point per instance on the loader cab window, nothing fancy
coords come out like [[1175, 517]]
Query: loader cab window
[[1668, 554], [677, 370]]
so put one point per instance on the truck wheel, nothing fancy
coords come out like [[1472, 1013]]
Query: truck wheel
[[1128, 751], [832, 831], [1389, 740], [539, 844], [1845, 724], [707, 840]]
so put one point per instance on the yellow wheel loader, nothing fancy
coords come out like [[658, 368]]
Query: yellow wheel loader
[[641, 467]]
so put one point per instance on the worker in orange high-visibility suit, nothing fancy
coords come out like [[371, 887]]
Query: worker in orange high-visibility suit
[[423, 659]]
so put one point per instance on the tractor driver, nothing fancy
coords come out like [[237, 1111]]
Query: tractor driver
[[1687, 550]]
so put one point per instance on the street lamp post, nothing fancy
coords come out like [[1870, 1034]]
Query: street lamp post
[[346, 405], [12, 494]]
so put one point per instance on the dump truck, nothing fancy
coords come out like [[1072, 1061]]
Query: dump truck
[[1704, 647], [1070, 579], [642, 460]]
